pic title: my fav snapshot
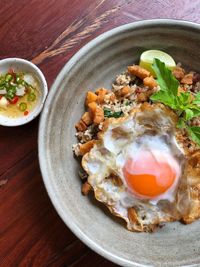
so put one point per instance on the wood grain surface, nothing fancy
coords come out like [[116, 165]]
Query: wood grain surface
[[49, 32]]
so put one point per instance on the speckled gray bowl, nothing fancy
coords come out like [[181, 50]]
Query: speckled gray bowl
[[95, 65]]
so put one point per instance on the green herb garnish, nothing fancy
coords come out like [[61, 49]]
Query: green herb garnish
[[11, 91], [194, 132], [184, 104], [8, 77], [127, 103], [108, 113], [11, 82]]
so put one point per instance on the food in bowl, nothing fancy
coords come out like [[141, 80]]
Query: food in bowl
[[19, 93], [139, 144]]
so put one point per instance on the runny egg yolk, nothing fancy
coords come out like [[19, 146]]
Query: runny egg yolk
[[150, 175]]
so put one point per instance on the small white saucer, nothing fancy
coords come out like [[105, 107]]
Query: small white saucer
[[22, 65]]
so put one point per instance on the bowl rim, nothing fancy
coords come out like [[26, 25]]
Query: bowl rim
[[23, 120], [43, 120]]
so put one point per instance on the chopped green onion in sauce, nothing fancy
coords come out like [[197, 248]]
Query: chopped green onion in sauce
[[31, 97], [19, 93], [22, 106]]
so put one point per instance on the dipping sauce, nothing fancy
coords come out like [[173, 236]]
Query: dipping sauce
[[19, 93]]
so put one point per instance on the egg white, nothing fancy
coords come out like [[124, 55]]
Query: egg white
[[123, 139]]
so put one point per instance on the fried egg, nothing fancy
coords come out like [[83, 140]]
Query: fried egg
[[139, 170]]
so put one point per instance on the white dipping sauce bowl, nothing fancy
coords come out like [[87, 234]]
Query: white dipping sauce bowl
[[22, 65]]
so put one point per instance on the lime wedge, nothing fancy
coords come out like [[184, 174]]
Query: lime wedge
[[146, 60]]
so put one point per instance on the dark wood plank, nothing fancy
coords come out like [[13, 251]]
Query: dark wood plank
[[50, 32], [28, 216], [16, 143], [85, 261]]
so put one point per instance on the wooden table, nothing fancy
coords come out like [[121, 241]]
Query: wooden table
[[49, 32]]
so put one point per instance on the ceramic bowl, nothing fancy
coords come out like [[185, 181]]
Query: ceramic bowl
[[22, 65], [96, 65]]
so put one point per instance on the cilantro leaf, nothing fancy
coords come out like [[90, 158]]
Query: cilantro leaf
[[196, 111], [165, 78], [194, 132], [168, 94], [168, 85], [197, 99], [181, 123], [165, 98], [188, 114], [186, 105], [183, 99]]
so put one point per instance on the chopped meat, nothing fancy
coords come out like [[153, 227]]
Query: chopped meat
[[179, 73], [187, 79], [86, 188], [150, 82], [139, 71]]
